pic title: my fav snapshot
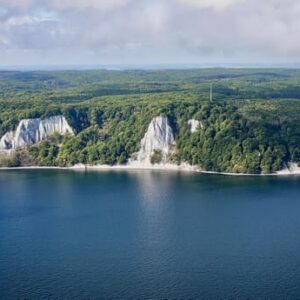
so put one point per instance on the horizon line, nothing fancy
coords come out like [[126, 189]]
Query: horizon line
[[146, 66]]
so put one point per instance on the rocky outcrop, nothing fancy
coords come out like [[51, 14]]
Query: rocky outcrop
[[159, 138], [195, 124], [291, 169], [32, 131]]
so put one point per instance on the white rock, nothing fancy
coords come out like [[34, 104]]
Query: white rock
[[195, 124], [32, 131], [6, 141], [291, 169], [159, 136]]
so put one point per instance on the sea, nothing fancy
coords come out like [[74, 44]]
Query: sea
[[144, 234]]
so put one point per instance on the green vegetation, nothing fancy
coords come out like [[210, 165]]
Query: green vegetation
[[252, 125], [156, 157]]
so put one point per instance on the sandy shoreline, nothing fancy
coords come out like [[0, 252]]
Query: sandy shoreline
[[180, 168]]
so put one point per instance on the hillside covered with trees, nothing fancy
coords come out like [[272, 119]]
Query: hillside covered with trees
[[251, 126]]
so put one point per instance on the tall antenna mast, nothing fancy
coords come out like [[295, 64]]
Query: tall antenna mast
[[211, 93]]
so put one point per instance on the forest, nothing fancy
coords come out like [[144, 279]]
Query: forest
[[252, 124]]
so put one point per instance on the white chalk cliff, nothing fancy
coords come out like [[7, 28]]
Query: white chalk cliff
[[291, 169], [195, 124], [159, 136], [32, 131]]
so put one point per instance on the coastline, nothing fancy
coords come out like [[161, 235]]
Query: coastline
[[166, 167]]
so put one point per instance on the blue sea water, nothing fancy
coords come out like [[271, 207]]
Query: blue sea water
[[148, 235]]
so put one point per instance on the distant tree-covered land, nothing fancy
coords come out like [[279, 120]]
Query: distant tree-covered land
[[251, 126]]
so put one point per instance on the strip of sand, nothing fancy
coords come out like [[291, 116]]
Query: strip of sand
[[162, 167]]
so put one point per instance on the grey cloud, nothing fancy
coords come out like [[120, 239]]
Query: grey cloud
[[218, 5], [143, 31], [101, 5]]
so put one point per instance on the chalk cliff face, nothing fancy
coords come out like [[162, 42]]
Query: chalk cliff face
[[32, 131], [159, 136], [291, 168], [195, 124]]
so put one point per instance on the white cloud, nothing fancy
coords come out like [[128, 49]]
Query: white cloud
[[101, 5], [218, 5], [144, 31], [17, 4], [15, 21]]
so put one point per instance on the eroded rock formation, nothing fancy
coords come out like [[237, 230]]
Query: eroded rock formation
[[291, 168], [159, 138], [195, 124], [32, 131]]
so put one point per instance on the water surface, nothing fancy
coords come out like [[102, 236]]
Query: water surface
[[148, 234]]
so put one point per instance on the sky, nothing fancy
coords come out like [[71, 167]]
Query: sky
[[86, 32]]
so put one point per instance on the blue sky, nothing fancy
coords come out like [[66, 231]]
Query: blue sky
[[54, 32]]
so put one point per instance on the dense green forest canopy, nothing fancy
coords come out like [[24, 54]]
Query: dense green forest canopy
[[251, 126]]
